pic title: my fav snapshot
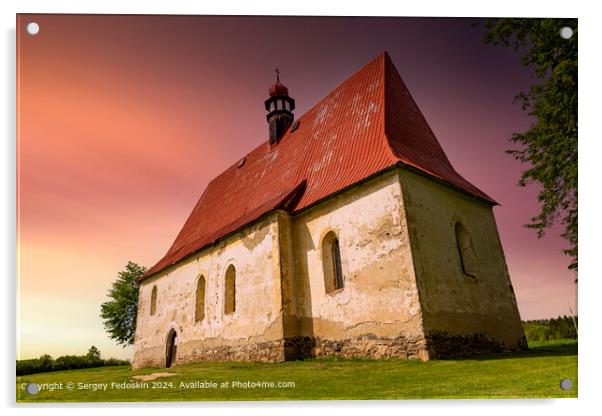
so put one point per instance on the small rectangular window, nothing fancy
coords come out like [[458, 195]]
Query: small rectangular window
[[199, 313], [338, 269], [230, 291], [153, 302], [331, 263]]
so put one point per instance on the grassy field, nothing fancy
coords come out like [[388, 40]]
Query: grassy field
[[534, 373]]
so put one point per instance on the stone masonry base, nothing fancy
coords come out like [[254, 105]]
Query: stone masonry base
[[444, 345], [365, 346]]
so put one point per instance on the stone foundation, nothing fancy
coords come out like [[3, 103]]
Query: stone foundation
[[365, 346], [269, 351], [444, 345], [154, 357], [296, 348]]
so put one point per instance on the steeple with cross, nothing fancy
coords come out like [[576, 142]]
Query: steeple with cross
[[280, 110]]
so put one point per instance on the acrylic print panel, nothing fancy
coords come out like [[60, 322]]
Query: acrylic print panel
[[217, 208]]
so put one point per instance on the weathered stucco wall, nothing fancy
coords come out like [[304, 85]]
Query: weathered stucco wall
[[253, 331], [377, 312], [461, 314], [405, 293]]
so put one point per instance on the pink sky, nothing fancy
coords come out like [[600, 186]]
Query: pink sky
[[123, 120]]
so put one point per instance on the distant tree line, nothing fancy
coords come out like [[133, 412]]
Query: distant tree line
[[66, 362], [563, 327]]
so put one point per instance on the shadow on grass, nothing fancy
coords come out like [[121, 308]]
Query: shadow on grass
[[549, 350]]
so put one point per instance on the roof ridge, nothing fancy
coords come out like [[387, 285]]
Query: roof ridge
[[381, 55]]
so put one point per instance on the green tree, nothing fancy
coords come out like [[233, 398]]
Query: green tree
[[119, 313], [549, 146], [93, 355], [45, 362]]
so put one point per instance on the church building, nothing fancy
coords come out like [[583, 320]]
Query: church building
[[347, 232]]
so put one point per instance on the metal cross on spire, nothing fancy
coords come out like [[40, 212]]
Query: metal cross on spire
[[277, 75]]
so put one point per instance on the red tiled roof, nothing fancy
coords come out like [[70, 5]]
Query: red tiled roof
[[367, 124]]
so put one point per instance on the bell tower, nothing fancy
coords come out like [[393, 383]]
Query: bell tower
[[279, 107]]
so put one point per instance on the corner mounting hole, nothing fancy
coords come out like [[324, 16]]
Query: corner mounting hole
[[566, 384], [33, 28], [566, 32]]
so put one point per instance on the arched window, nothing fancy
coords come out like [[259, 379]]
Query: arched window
[[153, 305], [331, 263], [230, 292], [199, 309], [171, 348], [468, 259]]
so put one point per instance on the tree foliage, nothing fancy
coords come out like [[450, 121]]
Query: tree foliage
[[549, 146], [93, 354], [119, 313]]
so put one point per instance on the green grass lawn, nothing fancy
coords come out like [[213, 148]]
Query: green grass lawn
[[534, 373]]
